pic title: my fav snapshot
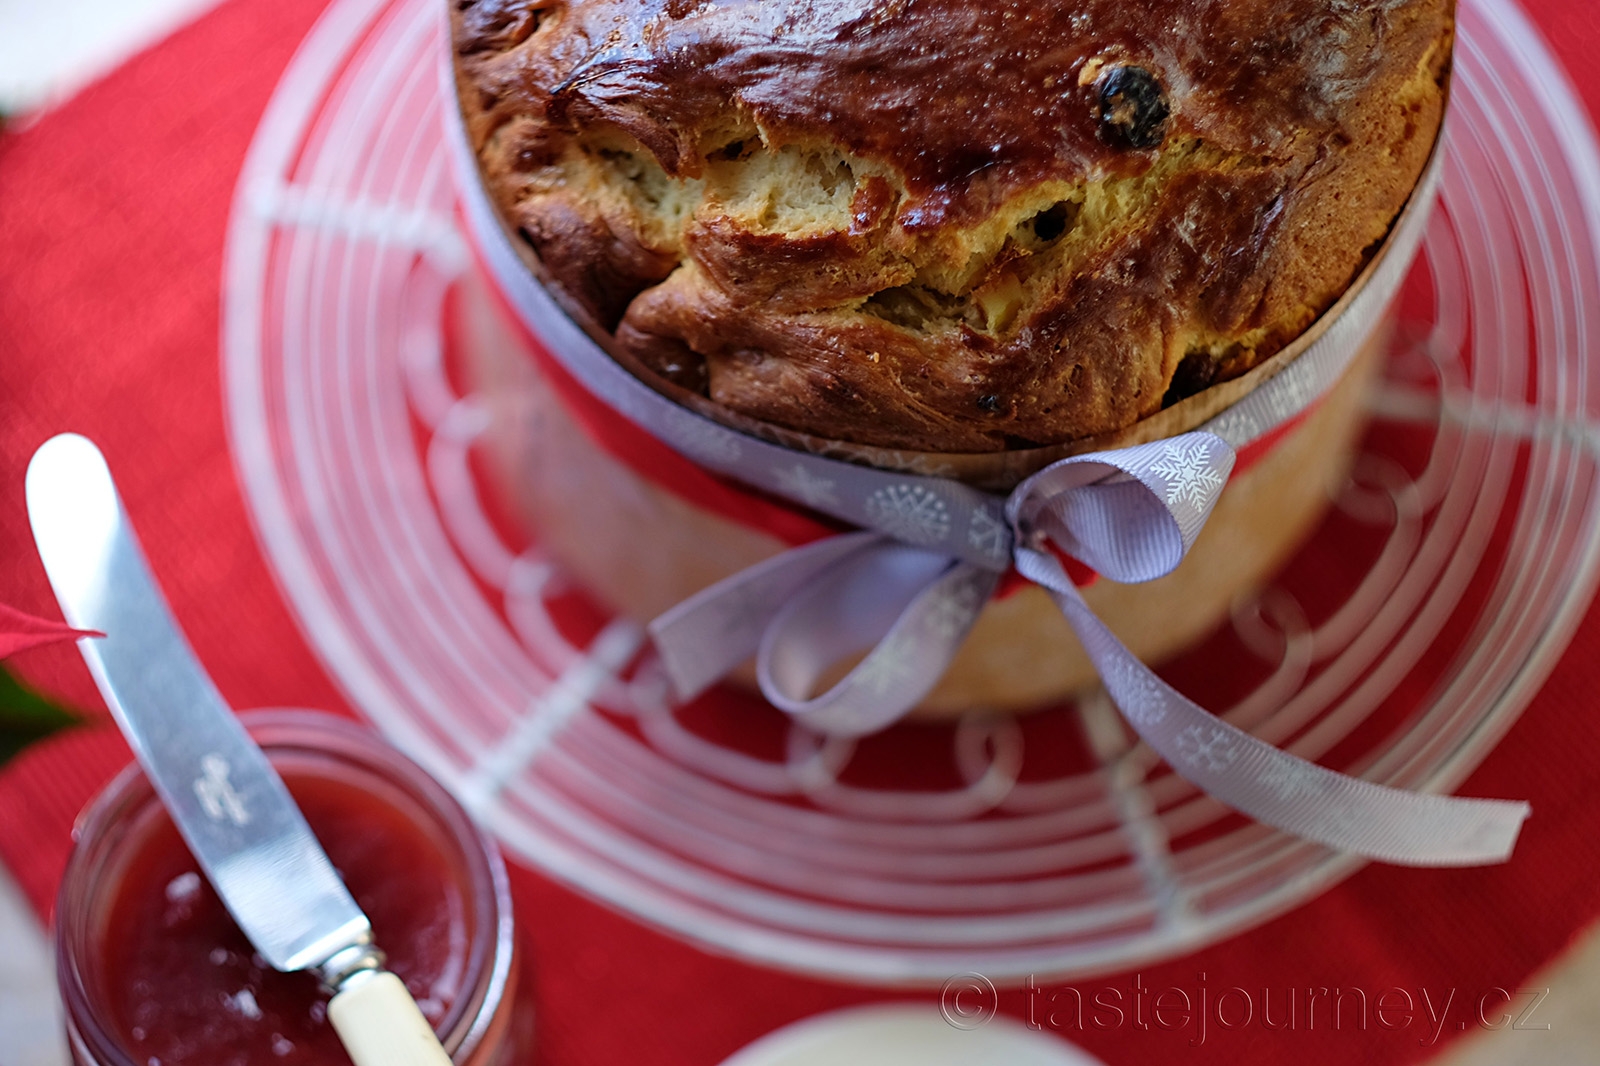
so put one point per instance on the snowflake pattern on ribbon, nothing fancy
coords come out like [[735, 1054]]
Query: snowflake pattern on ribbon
[[803, 485], [910, 513], [1294, 390], [888, 667], [987, 533], [1338, 822], [745, 608], [1208, 747], [1189, 475], [705, 441], [1291, 780], [951, 611], [1141, 698]]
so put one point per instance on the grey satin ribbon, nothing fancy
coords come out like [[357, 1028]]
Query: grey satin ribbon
[[1131, 515], [908, 587]]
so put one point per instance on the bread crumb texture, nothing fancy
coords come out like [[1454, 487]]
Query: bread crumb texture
[[950, 225]]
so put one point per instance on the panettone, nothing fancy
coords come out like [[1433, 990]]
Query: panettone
[[950, 225]]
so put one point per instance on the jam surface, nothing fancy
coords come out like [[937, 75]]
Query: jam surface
[[184, 986]]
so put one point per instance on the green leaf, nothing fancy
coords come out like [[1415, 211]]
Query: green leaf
[[26, 716]]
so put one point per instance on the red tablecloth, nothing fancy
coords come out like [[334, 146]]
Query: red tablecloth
[[112, 220]]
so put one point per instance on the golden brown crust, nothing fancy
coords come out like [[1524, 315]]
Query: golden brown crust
[[951, 225]]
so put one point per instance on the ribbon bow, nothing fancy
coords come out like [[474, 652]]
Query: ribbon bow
[[1131, 515]]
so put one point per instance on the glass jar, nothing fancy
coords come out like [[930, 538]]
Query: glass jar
[[152, 971]]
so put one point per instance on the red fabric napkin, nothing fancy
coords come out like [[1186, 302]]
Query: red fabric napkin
[[112, 220]]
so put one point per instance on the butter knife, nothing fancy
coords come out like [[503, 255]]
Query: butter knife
[[232, 808]]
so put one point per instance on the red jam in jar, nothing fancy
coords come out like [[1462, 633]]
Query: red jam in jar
[[154, 972]]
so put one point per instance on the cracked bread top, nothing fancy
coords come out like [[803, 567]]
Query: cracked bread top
[[950, 225]]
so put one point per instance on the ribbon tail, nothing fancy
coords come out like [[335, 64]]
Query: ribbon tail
[[913, 608], [706, 636], [1272, 786]]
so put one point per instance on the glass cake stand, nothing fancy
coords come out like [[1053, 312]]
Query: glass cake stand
[[1400, 644]]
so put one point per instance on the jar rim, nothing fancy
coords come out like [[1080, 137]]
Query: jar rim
[[281, 732]]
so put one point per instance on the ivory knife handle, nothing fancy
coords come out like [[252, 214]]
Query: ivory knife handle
[[381, 1024]]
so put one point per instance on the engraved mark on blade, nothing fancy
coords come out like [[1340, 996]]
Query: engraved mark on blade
[[220, 800]]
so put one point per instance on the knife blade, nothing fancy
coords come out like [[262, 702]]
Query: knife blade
[[227, 801]]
